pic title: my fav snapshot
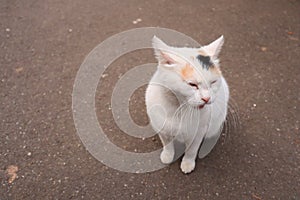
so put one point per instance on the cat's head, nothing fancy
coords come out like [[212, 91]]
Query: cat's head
[[192, 73]]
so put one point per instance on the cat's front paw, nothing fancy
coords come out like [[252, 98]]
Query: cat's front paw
[[167, 156], [187, 166]]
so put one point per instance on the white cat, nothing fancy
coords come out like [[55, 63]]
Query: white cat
[[186, 100]]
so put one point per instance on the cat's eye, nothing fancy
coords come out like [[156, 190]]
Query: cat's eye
[[193, 85], [213, 82]]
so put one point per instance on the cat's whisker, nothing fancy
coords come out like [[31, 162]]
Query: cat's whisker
[[178, 116], [223, 125], [234, 113], [232, 122]]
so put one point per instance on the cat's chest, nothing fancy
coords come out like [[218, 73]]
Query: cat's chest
[[191, 124], [194, 119]]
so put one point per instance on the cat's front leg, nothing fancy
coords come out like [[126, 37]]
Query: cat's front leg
[[168, 152], [188, 160]]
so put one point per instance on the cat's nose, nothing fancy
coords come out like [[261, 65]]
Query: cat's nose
[[205, 99]]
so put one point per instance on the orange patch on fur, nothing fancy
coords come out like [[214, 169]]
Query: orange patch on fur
[[187, 71]]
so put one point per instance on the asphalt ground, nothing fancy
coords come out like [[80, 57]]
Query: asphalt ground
[[43, 44]]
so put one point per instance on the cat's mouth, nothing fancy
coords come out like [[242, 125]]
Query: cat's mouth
[[201, 106]]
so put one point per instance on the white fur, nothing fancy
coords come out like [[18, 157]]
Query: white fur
[[173, 105]]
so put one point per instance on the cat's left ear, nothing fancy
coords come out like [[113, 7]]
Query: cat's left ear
[[214, 48], [163, 53]]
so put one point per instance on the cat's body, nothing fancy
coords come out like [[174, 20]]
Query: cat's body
[[187, 100]]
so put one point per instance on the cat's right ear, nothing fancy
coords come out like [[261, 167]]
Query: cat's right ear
[[162, 53]]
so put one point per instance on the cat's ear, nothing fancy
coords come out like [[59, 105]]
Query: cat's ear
[[163, 53], [214, 48]]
